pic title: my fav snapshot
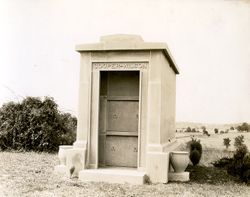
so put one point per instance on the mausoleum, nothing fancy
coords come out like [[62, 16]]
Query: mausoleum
[[126, 119]]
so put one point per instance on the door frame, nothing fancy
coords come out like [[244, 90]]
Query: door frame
[[97, 90]]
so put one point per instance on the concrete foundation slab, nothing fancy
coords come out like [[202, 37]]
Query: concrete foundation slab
[[113, 175]]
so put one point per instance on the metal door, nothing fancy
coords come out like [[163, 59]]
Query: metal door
[[119, 103]]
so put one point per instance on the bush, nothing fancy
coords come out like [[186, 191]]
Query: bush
[[223, 162], [239, 164], [35, 124], [238, 141], [237, 167], [246, 168], [195, 157], [240, 152], [226, 142], [246, 160], [195, 145], [195, 151]]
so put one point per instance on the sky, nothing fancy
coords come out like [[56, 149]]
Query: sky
[[209, 40]]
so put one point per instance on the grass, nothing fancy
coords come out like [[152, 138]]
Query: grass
[[31, 174]]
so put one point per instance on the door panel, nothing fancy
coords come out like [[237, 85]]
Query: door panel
[[121, 151], [123, 83], [123, 116]]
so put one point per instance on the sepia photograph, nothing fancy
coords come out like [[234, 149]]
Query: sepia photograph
[[123, 98]]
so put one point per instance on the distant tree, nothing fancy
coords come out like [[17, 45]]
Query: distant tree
[[244, 127], [226, 142], [204, 130], [232, 128], [193, 130], [216, 130], [188, 129]]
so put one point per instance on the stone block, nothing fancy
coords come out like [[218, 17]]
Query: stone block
[[75, 161], [157, 166], [181, 176], [113, 175]]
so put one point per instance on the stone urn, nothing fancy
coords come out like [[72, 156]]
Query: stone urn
[[62, 153], [179, 160]]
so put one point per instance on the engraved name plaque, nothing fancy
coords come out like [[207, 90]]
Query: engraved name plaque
[[119, 65]]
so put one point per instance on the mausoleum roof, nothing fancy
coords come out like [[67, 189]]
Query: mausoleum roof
[[123, 42]]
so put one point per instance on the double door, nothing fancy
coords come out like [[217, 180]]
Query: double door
[[118, 118]]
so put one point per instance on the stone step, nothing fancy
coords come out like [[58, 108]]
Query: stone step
[[113, 175]]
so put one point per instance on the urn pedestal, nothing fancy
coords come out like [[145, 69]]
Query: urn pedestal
[[179, 160], [62, 155]]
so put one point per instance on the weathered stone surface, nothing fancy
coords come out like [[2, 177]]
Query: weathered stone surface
[[75, 162], [157, 166], [113, 175], [126, 114]]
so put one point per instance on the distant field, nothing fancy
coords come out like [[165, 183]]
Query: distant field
[[215, 141], [207, 125]]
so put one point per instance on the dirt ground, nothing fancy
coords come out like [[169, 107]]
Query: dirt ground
[[31, 174]]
